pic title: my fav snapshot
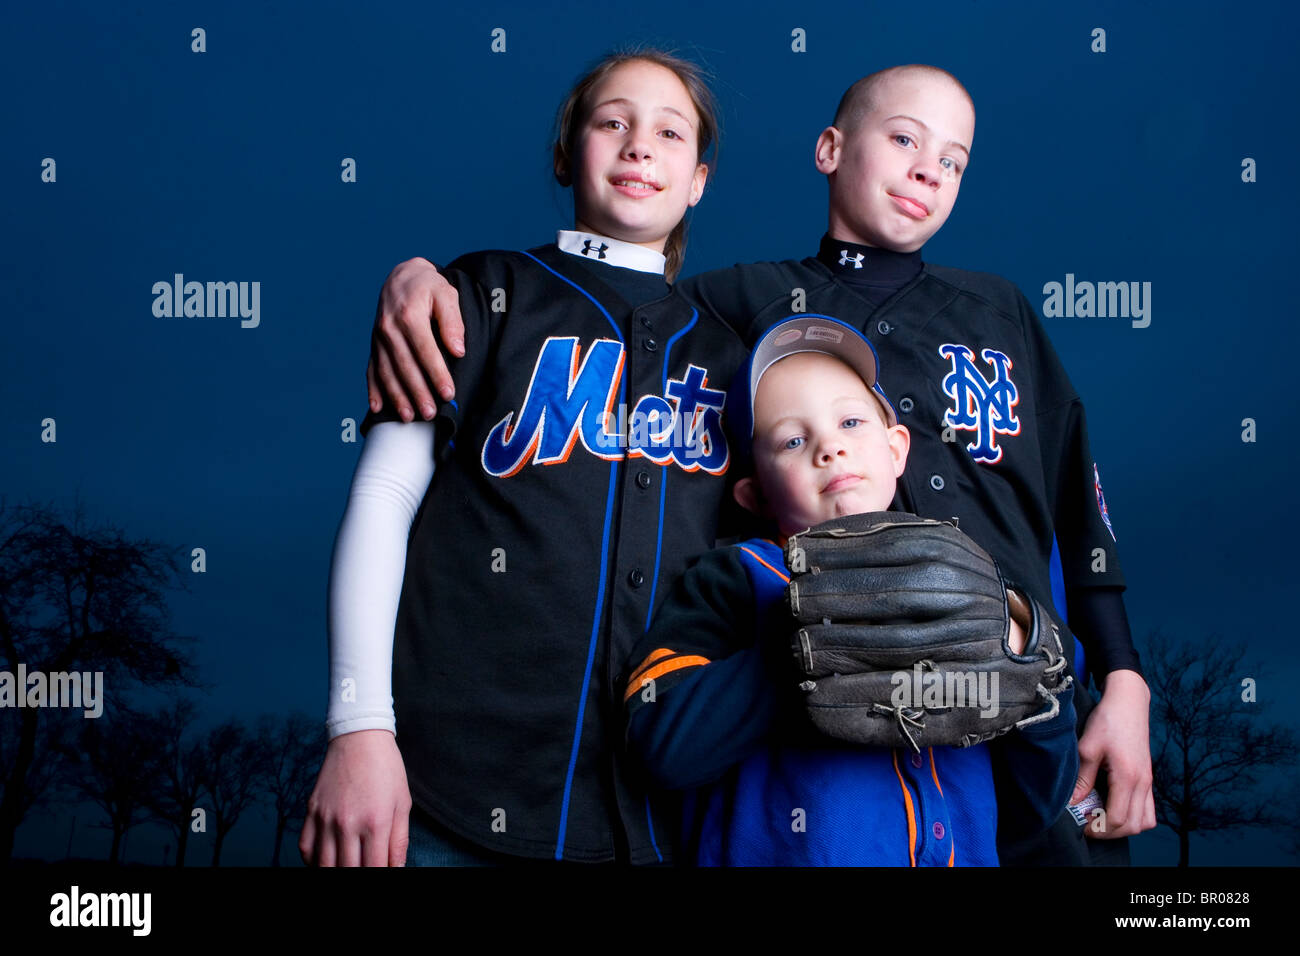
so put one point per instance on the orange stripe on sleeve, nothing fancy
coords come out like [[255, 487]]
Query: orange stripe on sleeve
[[780, 574], [659, 653], [911, 815], [667, 667]]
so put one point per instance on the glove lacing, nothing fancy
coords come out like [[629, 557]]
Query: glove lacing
[[907, 717]]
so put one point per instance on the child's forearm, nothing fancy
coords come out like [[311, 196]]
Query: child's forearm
[[392, 475], [1098, 618], [708, 723]]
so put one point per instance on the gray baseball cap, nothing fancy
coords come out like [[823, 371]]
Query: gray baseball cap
[[803, 332]]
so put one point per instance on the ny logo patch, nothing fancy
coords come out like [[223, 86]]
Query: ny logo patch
[[988, 408]]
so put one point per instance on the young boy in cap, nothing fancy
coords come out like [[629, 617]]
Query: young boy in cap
[[709, 704]]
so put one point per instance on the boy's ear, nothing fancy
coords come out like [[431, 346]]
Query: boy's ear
[[900, 443], [827, 153], [749, 496]]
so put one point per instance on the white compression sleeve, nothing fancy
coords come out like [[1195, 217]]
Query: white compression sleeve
[[392, 475]]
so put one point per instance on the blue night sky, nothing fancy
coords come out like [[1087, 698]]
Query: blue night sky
[[1122, 166]]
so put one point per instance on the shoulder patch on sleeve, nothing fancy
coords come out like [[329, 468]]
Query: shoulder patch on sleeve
[[1101, 501]]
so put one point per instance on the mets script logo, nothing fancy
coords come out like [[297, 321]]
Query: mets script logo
[[986, 408], [567, 403]]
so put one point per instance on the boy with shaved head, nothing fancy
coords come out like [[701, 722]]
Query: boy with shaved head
[[999, 437]]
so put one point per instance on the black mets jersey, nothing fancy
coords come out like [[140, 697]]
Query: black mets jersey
[[999, 438], [580, 466]]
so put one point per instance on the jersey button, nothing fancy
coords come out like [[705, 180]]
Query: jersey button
[[645, 322], [916, 761], [651, 345], [643, 479], [884, 328], [905, 404], [636, 579], [937, 830], [936, 482]]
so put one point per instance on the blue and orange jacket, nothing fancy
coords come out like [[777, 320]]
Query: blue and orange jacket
[[712, 710]]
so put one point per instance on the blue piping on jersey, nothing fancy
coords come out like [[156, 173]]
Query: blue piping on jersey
[[651, 824], [591, 656], [659, 540], [663, 474], [1058, 598], [589, 296], [600, 589]]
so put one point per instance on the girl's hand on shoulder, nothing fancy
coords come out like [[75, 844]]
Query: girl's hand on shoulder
[[359, 811]]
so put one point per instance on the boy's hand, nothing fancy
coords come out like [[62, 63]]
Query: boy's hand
[[1016, 637], [403, 350], [1116, 737], [360, 809]]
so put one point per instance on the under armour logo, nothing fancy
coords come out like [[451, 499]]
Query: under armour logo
[[587, 249], [845, 259]]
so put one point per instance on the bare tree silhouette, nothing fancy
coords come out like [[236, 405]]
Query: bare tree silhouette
[[1210, 746], [77, 599], [119, 772], [180, 757], [57, 739], [233, 774], [295, 745]]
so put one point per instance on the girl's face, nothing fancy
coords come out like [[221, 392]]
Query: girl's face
[[636, 166]]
